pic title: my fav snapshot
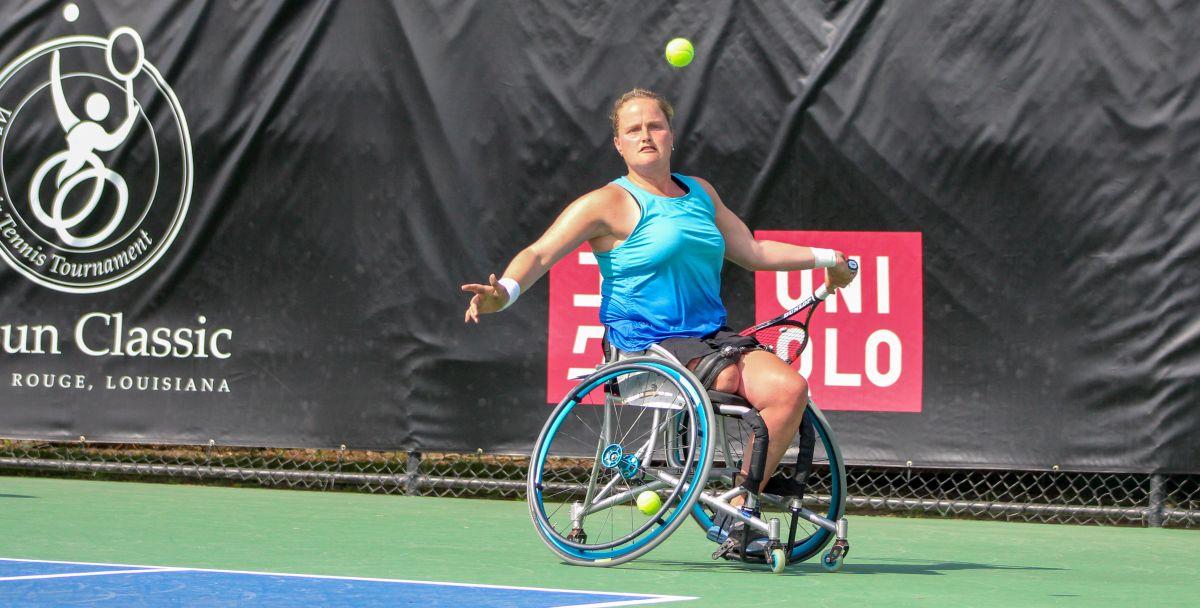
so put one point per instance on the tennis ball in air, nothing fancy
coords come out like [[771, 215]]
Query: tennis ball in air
[[648, 502], [680, 52]]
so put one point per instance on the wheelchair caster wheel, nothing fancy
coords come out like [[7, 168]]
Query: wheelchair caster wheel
[[836, 557], [777, 559]]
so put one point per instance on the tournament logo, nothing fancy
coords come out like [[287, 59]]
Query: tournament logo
[[95, 162]]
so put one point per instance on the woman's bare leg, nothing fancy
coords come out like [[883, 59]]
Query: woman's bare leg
[[777, 392]]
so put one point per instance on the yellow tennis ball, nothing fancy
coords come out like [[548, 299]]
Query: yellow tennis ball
[[648, 502], [680, 52]]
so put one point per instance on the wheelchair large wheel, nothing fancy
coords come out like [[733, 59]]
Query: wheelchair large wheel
[[810, 537], [605, 445]]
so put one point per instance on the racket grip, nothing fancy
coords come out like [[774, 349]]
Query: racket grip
[[821, 293]]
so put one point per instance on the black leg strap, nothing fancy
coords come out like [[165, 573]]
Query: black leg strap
[[804, 458], [712, 364], [796, 484], [758, 454]]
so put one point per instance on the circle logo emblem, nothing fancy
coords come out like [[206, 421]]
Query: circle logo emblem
[[95, 163]]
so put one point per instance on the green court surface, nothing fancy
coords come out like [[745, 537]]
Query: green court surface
[[893, 561]]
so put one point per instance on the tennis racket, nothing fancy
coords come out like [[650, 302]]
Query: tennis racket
[[786, 335]]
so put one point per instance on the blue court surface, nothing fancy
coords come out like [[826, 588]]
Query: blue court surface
[[44, 583]]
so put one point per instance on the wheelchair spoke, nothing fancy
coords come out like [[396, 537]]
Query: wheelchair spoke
[[603, 493]]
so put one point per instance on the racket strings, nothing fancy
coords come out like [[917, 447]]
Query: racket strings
[[787, 339]]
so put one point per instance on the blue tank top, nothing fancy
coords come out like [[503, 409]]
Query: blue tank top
[[664, 281]]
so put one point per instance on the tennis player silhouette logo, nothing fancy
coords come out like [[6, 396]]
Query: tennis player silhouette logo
[[79, 165], [95, 162]]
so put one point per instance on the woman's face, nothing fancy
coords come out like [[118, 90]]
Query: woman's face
[[644, 137]]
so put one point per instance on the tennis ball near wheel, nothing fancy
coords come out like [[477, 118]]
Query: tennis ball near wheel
[[680, 52], [648, 502]]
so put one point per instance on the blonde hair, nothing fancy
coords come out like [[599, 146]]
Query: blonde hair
[[663, 105]]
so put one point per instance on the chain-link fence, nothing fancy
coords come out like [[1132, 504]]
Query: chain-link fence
[[1039, 496]]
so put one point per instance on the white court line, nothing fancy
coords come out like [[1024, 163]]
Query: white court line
[[29, 577], [642, 602], [641, 598]]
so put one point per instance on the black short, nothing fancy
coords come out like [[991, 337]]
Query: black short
[[686, 349]]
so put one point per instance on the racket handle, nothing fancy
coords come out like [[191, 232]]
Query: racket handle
[[821, 293]]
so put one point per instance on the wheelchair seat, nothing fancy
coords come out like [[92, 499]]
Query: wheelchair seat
[[709, 367]]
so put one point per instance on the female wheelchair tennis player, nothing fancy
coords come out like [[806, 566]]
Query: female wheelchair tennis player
[[660, 239]]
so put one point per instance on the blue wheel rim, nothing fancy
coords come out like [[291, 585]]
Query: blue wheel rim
[[543, 451]]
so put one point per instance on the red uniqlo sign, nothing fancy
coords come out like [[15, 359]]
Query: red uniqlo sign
[[575, 332], [866, 344], [866, 350]]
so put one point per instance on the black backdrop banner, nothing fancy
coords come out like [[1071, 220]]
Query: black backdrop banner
[[249, 221]]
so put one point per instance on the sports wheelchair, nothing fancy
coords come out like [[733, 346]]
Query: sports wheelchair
[[643, 444]]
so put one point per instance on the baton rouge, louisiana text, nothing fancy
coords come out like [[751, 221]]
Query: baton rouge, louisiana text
[[124, 383], [104, 334]]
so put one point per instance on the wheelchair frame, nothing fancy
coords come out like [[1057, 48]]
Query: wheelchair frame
[[702, 408]]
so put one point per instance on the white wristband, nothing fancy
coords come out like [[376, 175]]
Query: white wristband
[[514, 291], [824, 258]]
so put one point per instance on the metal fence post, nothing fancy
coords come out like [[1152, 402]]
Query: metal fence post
[[341, 457], [208, 451], [1154, 516], [412, 485]]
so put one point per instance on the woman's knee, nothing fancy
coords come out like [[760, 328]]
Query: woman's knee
[[792, 393], [800, 389], [788, 388], [785, 392]]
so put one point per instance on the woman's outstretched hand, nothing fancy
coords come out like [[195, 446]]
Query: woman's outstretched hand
[[487, 299]]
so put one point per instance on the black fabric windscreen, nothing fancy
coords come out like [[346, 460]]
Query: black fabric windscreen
[[267, 248]]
